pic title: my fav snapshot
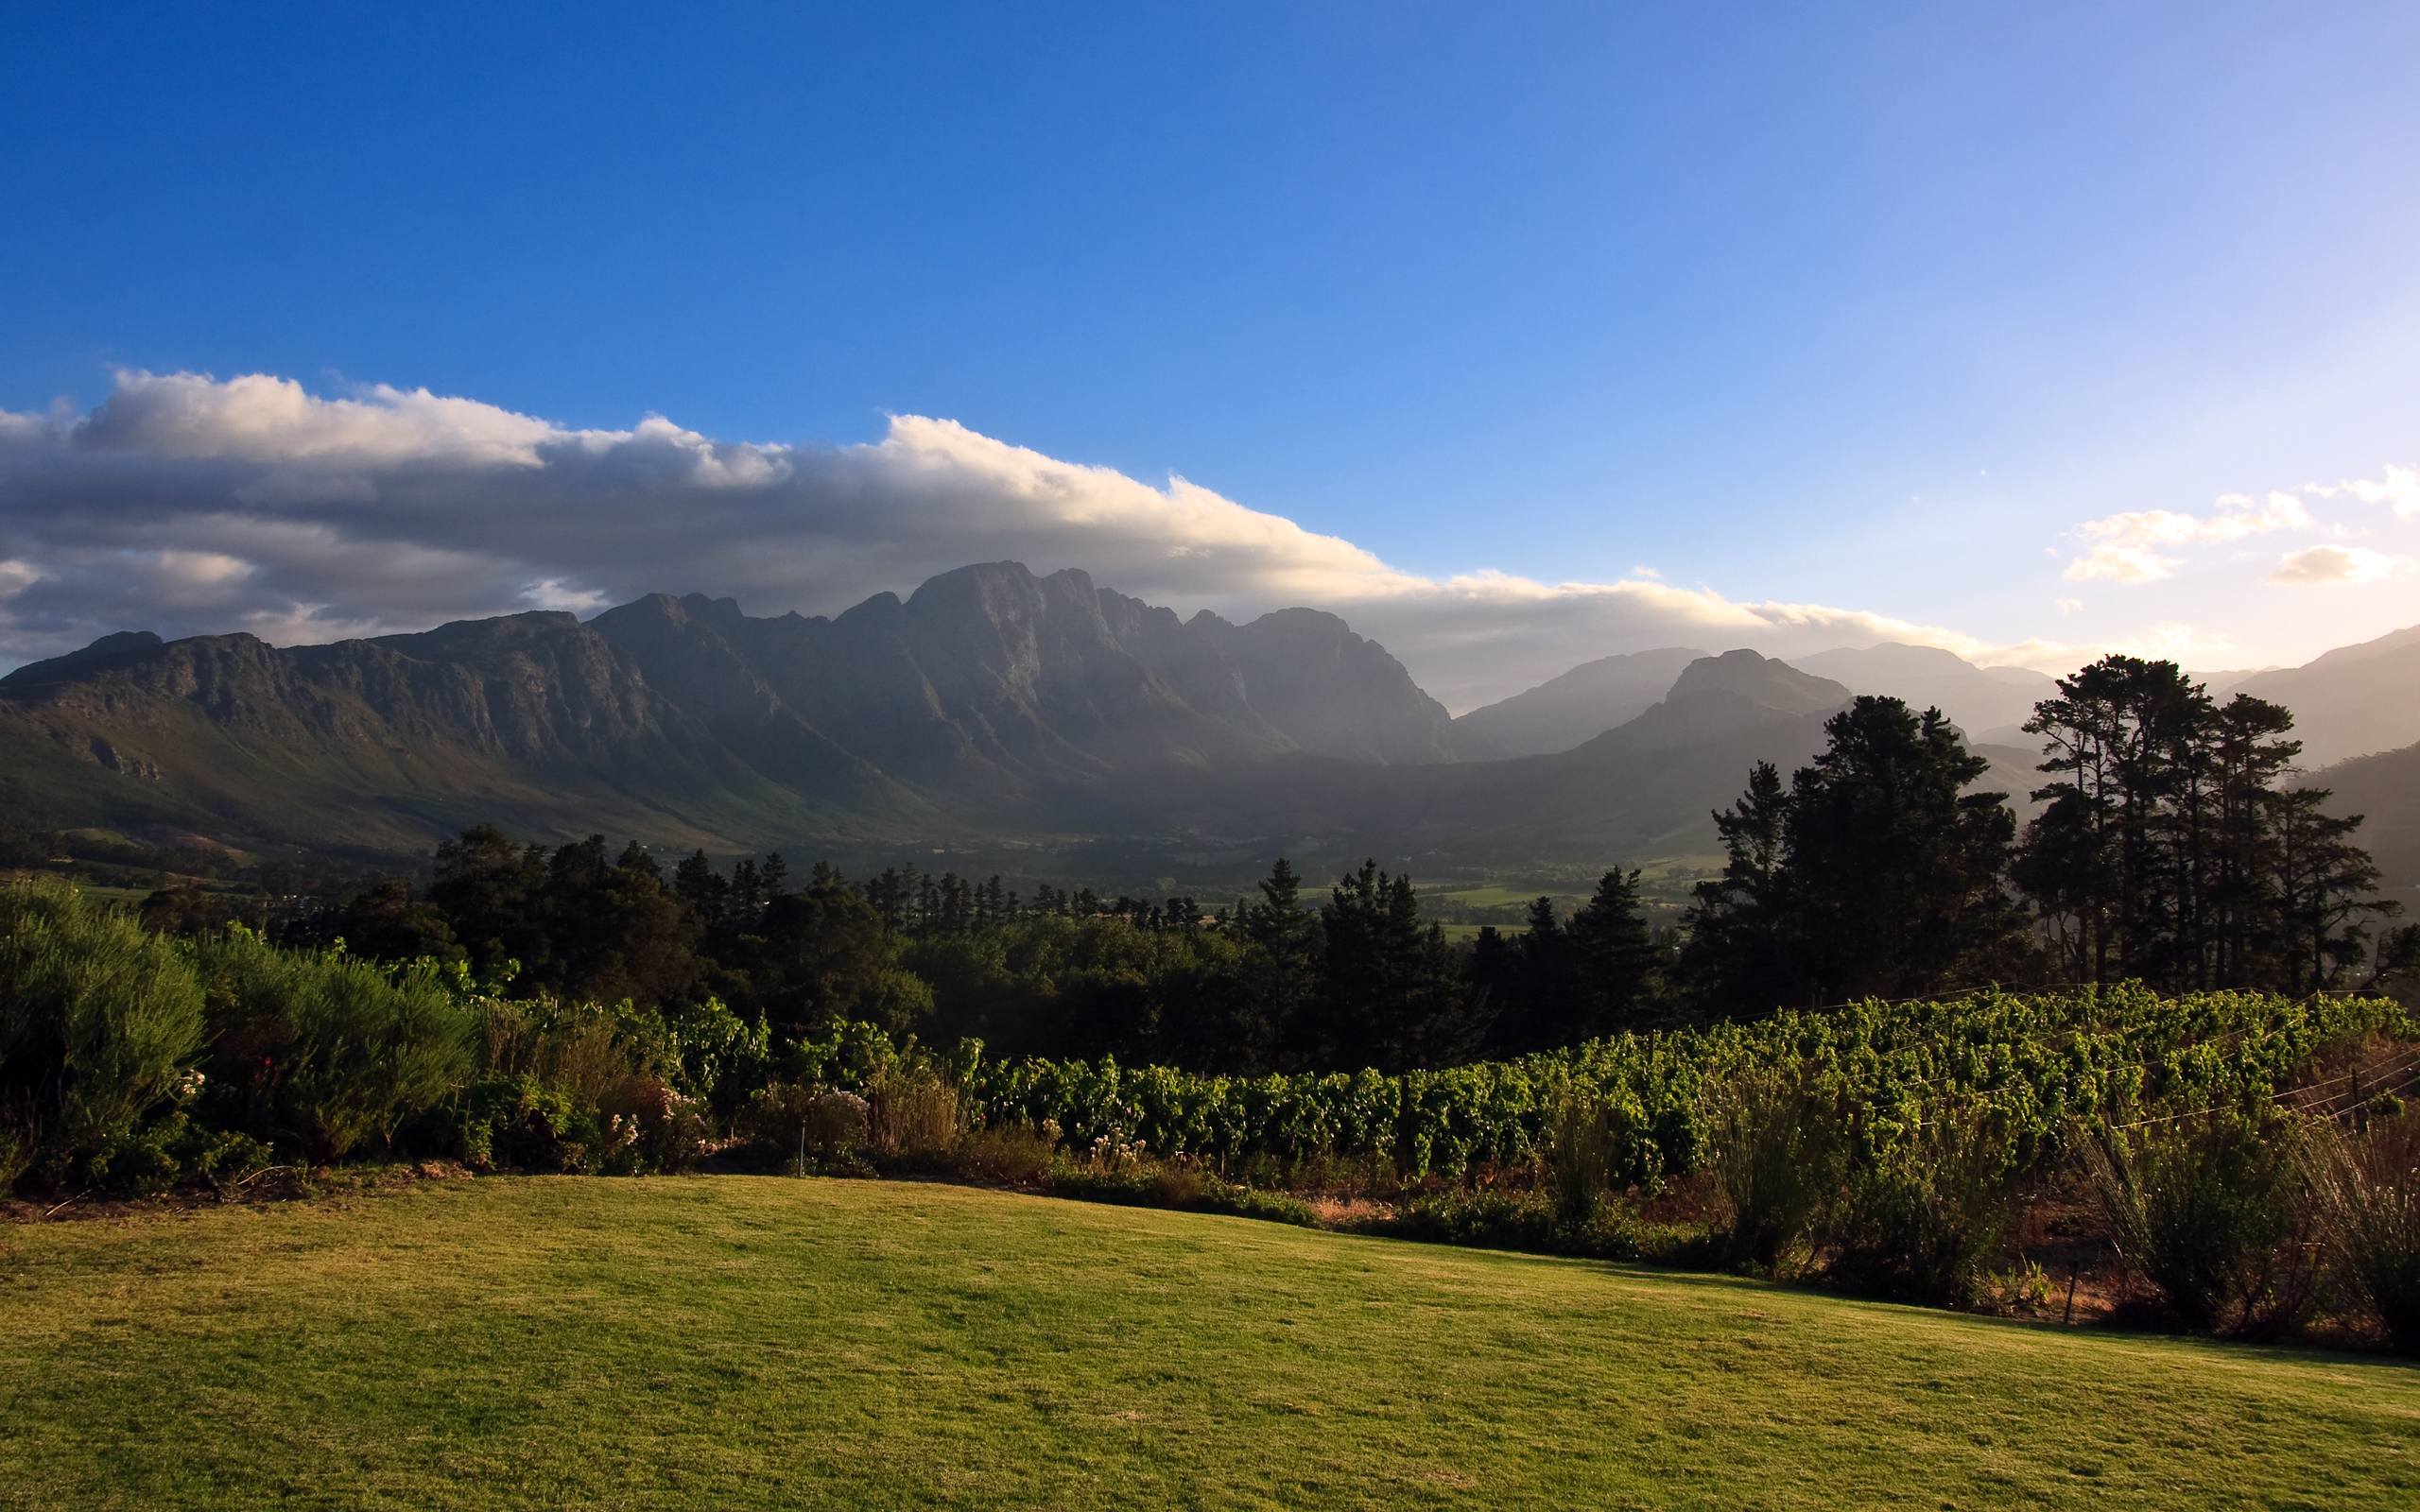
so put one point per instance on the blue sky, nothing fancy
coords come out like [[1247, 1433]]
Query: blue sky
[[1863, 308]]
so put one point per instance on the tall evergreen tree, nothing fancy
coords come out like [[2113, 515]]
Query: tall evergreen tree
[[1877, 874], [2170, 849], [2326, 890], [1896, 871], [1283, 965], [1617, 971], [1738, 953], [703, 888], [1395, 997]]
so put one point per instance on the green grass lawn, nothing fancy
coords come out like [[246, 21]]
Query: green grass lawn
[[730, 1342]]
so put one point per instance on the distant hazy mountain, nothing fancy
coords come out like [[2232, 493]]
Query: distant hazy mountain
[[1976, 699], [1645, 788], [1650, 786], [1585, 701], [1746, 676], [2385, 788], [2353, 701], [989, 697], [2221, 684]]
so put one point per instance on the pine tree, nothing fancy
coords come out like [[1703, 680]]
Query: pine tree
[[697, 884], [2327, 888], [1615, 972], [1737, 956]]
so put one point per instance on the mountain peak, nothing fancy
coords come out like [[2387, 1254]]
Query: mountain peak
[[1745, 674], [114, 649], [1578, 705]]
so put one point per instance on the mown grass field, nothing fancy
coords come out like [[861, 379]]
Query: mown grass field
[[731, 1342]]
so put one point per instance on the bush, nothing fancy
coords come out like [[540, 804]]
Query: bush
[[912, 1113], [1490, 1220], [788, 1121], [1581, 1148], [1924, 1221], [2206, 1212], [520, 1124], [221, 1158], [644, 1124], [1250, 1202], [1182, 1188], [1013, 1153], [1776, 1152], [2365, 1189], [326, 1050], [97, 1020]]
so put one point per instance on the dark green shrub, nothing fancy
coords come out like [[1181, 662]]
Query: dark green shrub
[[1250, 1202], [1581, 1149], [520, 1124], [139, 1162], [1924, 1221], [1776, 1149], [1490, 1220], [1187, 1189], [644, 1124], [804, 1125], [2207, 1211], [2365, 1187], [98, 1019], [1015, 1154], [913, 1114], [325, 1049], [221, 1159]]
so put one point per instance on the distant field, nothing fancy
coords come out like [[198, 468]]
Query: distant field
[[1495, 895], [767, 1341]]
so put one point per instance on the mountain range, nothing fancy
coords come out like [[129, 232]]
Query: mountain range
[[990, 702], [1584, 702]]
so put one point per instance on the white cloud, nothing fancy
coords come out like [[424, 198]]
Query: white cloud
[[2131, 547], [554, 593], [2069, 606], [16, 576], [2397, 487], [2182, 643], [2328, 566], [264, 419], [186, 504]]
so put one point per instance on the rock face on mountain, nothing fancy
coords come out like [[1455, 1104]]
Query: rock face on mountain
[[1586, 701], [530, 718], [989, 697], [990, 680]]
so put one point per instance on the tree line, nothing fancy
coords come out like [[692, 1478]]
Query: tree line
[[2171, 847]]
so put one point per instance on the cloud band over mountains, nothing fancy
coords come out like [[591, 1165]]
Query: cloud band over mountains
[[186, 504]]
